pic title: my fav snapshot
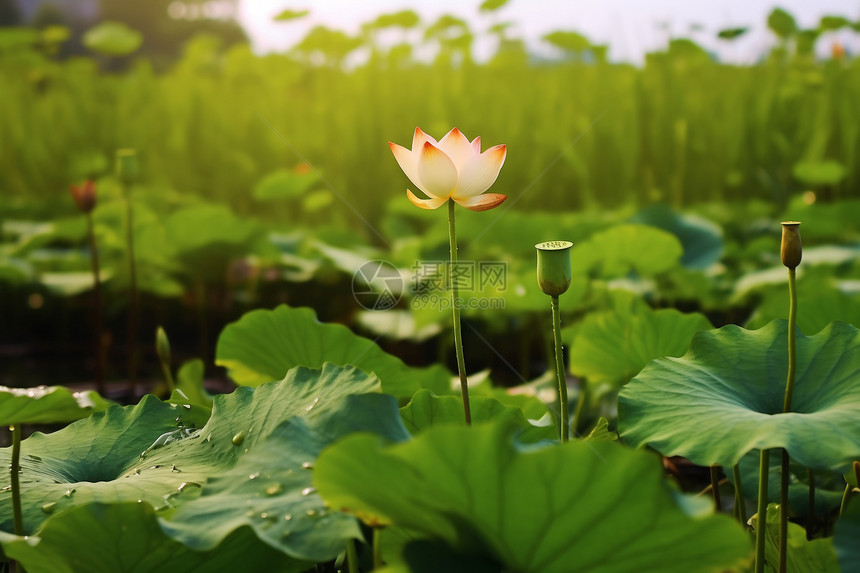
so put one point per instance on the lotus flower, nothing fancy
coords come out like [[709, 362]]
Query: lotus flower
[[84, 195], [452, 168]]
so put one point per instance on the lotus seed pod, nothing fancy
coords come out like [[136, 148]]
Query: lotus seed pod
[[127, 169], [162, 345], [553, 266], [791, 249]]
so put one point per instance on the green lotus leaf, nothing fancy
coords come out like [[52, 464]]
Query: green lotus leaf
[[609, 348], [76, 540], [701, 240], [264, 344], [725, 397], [573, 507], [846, 536], [270, 488], [426, 410], [148, 451], [621, 249], [285, 184], [47, 405], [112, 39], [819, 303]]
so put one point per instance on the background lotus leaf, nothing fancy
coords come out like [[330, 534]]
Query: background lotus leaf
[[725, 397], [47, 405], [264, 344]]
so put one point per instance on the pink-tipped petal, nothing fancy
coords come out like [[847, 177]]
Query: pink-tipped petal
[[436, 171], [482, 202], [480, 173], [408, 162], [457, 147], [419, 138], [432, 203], [476, 144]]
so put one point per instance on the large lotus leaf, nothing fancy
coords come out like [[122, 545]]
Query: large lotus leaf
[[264, 344], [573, 507], [285, 184], [126, 538], [270, 488], [846, 536], [149, 450], [725, 397], [623, 248], [702, 240], [426, 410], [802, 556], [609, 348], [47, 405]]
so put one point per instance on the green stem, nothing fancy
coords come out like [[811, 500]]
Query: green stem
[[740, 503], [352, 556], [715, 487], [133, 302], [783, 514], [455, 303], [98, 324], [14, 477], [377, 548], [168, 377], [786, 407], [845, 496], [810, 509], [564, 416], [761, 518]]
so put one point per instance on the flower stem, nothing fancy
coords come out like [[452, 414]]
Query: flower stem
[[352, 556], [715, 487], [740, 503], [377, 548], [455, 303], [564, 417], [761, 518], [98, 324], [786, 407], [14, 469], [133, 302]]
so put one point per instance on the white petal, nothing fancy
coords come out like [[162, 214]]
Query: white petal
[[480, 173], [482, 202], [431, 203], [476, 144], [408, 162], [418, 139], [436, 171], [457, 147]]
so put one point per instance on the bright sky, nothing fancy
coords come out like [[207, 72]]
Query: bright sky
[[630, 27]]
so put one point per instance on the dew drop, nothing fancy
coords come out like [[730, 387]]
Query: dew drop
[[7, 488], [182, 486], [49, 507], [308, 490], [274, 489], [308, 465], [239, 438], [311, 512], [254, 475], [140, 501], [69, 492], [288, 517], [264, 515], [312, 404], [187, 406]]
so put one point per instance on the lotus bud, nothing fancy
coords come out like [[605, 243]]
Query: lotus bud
[[553, 266], [84, 195], [791, 249], [162, 346], [127, 169]]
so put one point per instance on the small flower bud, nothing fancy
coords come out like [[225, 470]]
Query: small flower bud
[[127, 169], [791, 249], [162, 346], [84, 195], [553, 266]]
